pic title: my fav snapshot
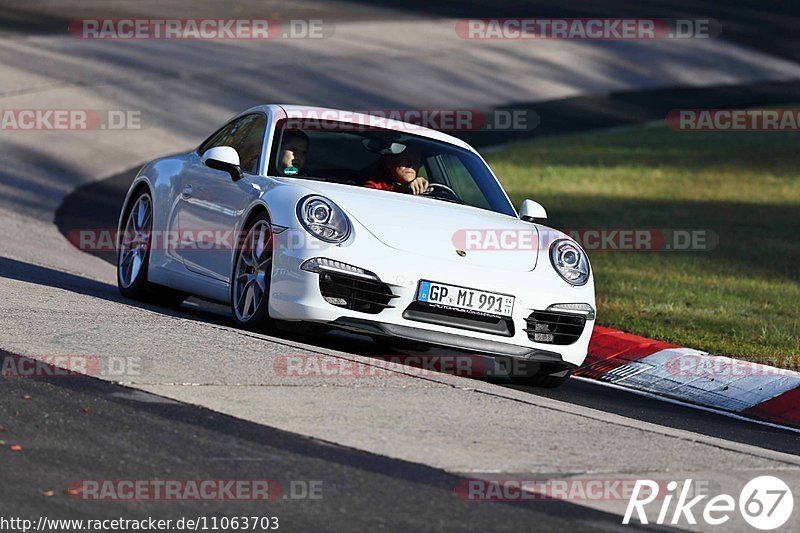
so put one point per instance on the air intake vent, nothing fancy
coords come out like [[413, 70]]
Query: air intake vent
[[554, 328], [357, 294]]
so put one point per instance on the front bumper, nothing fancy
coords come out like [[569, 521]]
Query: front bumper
[[295, 296], [449, 340]]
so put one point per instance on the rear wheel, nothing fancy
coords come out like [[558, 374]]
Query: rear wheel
[[133, 256], [251, 276]]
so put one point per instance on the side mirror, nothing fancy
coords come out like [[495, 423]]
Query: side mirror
[[224, 158], [530, 211]]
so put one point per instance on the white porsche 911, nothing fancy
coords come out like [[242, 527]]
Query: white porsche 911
[[379, 227]]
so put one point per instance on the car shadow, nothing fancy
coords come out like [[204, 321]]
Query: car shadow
[[193, 308], [49, 277]]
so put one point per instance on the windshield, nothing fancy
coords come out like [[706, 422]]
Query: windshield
[[367, 157]]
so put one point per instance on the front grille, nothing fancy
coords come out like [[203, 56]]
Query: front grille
[[356, 294], [554, 328], [459, 319]]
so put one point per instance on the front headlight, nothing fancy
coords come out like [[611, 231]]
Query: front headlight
[[323, 219], [570, 262]]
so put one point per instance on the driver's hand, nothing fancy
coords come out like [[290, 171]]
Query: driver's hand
[[418, 185]]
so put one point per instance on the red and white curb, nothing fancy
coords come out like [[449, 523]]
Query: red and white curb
[[667, 370]]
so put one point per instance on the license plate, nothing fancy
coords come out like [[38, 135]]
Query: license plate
[[464, 299]]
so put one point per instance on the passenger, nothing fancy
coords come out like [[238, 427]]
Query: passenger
[[400, 173], [293, 153]]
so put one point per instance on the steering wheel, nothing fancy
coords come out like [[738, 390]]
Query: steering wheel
[[433, 187]]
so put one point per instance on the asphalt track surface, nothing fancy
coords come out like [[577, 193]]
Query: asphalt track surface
[[84, 428], [90, 429]]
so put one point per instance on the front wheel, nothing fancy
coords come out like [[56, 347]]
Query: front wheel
[[251, 276]]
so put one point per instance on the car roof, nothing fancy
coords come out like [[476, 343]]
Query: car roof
[[353, 117]]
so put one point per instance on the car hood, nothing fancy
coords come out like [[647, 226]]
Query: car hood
[[434, 228]]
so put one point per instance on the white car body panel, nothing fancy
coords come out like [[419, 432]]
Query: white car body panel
[[388, 216], [401, 238]]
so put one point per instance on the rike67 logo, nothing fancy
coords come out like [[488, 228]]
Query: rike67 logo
[[766, 503]]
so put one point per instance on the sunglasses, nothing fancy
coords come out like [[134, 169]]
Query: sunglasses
[[406, 160]]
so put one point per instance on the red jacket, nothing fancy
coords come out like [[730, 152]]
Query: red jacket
[[384, 185]]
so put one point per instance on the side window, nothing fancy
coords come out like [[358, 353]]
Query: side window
[[422, 171], [461, 181], [246, 135], [220, 138]]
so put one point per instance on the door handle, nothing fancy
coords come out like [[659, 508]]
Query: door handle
[[187, 192]]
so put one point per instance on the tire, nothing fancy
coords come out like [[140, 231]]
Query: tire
[[544, 381], [133, 255], [252, 273]]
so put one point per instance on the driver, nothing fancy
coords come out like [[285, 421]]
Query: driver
[[293, 156], [400, 173]]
